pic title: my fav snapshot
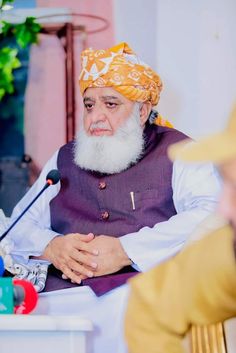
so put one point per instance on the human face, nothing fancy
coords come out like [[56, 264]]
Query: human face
[[105, 110], [111, 154], [228, 198]]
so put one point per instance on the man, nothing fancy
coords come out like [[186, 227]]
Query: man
[[198, 286], [121, 205]]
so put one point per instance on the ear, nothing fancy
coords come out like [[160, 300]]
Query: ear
[[145, 110]]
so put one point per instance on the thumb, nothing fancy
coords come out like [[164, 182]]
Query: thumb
[[87, 237]]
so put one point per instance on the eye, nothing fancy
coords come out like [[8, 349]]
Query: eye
[[111, 105], [88, 106]]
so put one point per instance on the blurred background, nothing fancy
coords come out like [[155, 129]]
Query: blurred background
[[191, 44]]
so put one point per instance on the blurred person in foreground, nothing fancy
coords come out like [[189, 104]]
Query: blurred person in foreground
[[121, 205], [197, 286]]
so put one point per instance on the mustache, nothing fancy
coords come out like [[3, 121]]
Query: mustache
[[99, 125]]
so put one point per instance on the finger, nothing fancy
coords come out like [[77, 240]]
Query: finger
[[85, 237], [69, 274], [77, 267], [63, 276], [86, 247], [89, 237], [84, 259], [81, 276]]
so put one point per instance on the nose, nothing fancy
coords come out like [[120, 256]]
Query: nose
[[98, 115]]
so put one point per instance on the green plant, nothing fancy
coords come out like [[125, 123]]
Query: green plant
[[24, 34], [8, 62], [4, 2]]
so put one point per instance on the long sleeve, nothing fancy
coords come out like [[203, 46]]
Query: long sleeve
[[197, 286], [196, 189], [195, 195], [33, 232]]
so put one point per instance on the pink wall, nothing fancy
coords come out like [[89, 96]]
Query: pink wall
[[45, 95]]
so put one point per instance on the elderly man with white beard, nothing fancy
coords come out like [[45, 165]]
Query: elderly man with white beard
[[121, 206]]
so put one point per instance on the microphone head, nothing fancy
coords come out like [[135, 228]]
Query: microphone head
[[1, 266], [18, 295], [53, 177], [30, 299]]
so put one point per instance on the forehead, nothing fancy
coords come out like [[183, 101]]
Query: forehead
[[99, 93], [228, 171]]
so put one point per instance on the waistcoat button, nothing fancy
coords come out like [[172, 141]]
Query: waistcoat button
[[105, 215], [102, 185]]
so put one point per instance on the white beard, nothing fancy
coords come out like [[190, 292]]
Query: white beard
[[111, 154]]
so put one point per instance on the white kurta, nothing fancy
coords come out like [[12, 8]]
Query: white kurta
[[195, 193]]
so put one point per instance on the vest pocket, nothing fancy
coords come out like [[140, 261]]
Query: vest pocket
[[135, 200]]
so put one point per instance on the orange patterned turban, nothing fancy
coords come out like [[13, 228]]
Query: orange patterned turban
[[120, 68]]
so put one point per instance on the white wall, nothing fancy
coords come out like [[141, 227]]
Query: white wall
[[135, 24], [193, 45]]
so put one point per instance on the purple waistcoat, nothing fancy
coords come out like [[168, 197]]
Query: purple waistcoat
[[100, 203]]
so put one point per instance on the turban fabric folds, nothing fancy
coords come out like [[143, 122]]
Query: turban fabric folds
[[119, 68]]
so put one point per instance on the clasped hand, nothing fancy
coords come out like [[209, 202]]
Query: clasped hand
[[80, 256]]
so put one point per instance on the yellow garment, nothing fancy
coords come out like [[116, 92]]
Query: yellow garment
[[119, 68], [196, 287]]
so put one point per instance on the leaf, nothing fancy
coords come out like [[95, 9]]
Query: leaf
[[8, 58], [26, 33], [6, 83], [2, 93], [8, 62], [4, 2], [6, 28]]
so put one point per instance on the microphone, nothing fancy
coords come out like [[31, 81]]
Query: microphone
[[52, 178], [30, 297], [17, 296]]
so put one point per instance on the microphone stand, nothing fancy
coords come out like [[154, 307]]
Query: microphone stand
[[22, 214]]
